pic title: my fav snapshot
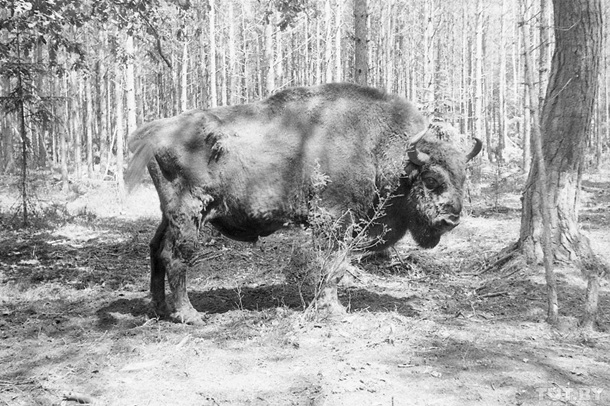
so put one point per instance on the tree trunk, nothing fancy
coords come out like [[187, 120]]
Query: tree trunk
[[119, 129], [270, 76], [361, 63], [566, 119], [428, 74], [76, 125], [318, 52], [502, 133], [545, 46], [212, 27], [89, 126], [183, 79], [234, 86], [545, 208], [338, 22], [478, 76], [328, 41], [63, 145], [565, 123]]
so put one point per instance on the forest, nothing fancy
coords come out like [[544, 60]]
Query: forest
[[513, 307], [88, 73]]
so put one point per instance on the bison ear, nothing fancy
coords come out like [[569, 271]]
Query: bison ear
[[478, 145]]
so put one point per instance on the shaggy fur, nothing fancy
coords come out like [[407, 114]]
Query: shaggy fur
[[248, 171]]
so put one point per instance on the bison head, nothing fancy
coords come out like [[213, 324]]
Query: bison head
[[433, 187]]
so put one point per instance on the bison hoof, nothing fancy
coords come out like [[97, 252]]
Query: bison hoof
[[187, 316]]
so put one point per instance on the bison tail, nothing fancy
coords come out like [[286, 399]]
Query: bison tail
[[142, 154]]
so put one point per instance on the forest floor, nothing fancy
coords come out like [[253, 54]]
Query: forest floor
[[424, 327]]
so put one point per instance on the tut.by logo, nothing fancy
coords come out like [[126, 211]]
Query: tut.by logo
[[564, 394]]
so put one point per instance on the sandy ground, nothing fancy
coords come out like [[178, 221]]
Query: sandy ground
[[422, 327]]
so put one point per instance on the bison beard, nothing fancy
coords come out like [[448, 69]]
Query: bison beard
[[248, 170]]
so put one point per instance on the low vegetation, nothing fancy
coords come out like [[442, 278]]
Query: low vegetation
[[422, 326]]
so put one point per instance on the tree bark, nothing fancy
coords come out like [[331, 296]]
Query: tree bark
[[328, 41], [565, 123], [502, 133], [545, 208], [120, 133], [269, 60], [212, 33], [545, 46], [361, 62], [478, 75], [88, 124], [338, 61]]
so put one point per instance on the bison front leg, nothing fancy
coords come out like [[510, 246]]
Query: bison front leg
[[157, 271], [178, 246]]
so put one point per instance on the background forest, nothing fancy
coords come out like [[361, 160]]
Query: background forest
[[78, 77]]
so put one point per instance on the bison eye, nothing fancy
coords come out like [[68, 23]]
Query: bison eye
[[431, 183]]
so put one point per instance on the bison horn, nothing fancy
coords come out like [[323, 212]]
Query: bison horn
[[415, 156], [475, 150]]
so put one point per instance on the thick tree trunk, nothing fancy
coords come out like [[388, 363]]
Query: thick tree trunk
[[565, 123]]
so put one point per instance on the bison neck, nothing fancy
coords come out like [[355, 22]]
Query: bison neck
[[399, 216], [392, 224]]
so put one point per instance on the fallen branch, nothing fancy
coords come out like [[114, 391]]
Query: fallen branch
[[499, 261], [80, 398], [493, 294]]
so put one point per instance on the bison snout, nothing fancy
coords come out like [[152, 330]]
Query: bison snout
[[450, 221]]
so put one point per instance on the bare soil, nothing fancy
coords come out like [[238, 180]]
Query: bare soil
[[423, 327]]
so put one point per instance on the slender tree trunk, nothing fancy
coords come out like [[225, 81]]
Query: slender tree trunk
[[428, 74], [120, 133], [329, 45], [234, 82], [212, 33], [338, 22], [269, 60], [502, 133], [89, 126], [361, 62], [277, 61], [478, 76], [318, 52], [183, 78], [76, 125], [545, 47], [545, 208], [63, 147]]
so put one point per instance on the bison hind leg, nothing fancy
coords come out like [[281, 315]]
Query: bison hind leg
[[173, 249]]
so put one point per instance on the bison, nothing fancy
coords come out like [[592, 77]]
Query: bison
[[247, 170]]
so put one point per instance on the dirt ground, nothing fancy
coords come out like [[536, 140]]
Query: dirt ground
[[424, 327]]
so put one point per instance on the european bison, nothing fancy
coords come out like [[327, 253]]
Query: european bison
[[247, 170]]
